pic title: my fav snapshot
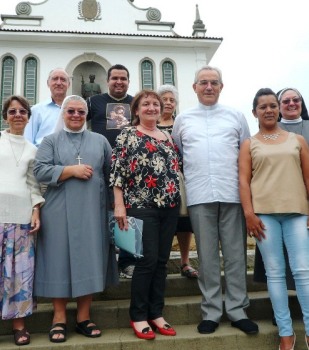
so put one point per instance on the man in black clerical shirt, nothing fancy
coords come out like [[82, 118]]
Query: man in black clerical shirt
[[101, 114]]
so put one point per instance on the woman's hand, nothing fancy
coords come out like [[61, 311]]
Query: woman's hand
[[120, 214], [255, 227], [82, 171], [120, 211], [35, 221]]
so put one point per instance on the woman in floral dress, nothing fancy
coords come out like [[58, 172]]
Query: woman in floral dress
[[146, 186], [20, 201]]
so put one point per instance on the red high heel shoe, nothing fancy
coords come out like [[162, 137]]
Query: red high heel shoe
[[146, 333], [165, 330]]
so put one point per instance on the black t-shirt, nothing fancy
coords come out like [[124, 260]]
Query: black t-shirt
[[109, 116]]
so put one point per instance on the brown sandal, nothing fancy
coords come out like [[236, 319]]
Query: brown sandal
[[20, 333], [190, 272]]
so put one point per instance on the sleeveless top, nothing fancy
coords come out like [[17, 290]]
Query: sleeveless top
[[277, 184]]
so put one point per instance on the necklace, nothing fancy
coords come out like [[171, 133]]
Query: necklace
[[150, 129], [78, 157], [17, 161], [267, 137]]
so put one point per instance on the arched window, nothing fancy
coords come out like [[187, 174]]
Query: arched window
[[30, 80], [7, 81], [147, 75], [168, 73]]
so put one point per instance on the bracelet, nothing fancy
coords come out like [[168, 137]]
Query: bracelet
[[35, 208]]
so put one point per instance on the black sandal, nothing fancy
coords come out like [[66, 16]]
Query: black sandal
[[62, 331], [189, 273], [20, 333], [86, 330]]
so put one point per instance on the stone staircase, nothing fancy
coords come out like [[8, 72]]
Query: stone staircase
[[182, 310]]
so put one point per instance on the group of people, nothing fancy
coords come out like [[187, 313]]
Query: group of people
[[234, 184], [74, 258]]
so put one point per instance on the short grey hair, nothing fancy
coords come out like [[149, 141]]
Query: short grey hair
[[60, 123], [73, 98], [208, 68], [59, 68], [163, 89]]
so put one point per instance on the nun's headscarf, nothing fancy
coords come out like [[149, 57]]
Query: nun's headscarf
[[60, 123], [304, 111]]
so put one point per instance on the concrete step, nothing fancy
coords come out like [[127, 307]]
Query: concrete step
[[111, 314], [225, 338], [110, 308], [176, 285], [173, 265]]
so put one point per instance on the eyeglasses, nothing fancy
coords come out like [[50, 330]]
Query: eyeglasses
[[12, 112], [213, 83], [294, 99], [74, 111]]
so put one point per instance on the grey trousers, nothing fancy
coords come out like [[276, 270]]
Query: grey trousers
[[214, 225]]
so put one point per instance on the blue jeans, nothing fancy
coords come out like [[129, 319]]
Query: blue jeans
[[289, 230]]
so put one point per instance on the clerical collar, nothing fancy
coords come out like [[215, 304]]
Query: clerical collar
[[74, 131], [291, 121], [115, 98]]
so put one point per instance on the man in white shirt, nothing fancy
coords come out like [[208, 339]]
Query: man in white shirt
[[209, 136], [44, 115]]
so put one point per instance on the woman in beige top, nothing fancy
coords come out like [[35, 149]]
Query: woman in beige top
[[293, 116], [271, 162]]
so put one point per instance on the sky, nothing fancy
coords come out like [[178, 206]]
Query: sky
[[265, 43]]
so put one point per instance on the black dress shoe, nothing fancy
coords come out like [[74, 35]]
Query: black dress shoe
[[246, 325], [207, 327]]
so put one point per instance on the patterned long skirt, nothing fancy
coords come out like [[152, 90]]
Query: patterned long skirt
[[17, 249]]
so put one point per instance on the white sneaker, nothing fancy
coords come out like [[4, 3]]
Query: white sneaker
[[127, 272]]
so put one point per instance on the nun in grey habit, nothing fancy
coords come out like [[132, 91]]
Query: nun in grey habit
[[74, 255]]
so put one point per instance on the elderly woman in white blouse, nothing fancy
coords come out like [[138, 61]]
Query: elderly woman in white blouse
[[20, 201]]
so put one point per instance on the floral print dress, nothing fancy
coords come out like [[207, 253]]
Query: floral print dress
[[146, 169], [17, 254]]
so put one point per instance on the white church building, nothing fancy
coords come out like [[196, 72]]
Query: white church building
[[88, 37]]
